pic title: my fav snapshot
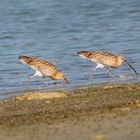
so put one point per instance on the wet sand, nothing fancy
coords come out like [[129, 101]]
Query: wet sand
[[105, 112]]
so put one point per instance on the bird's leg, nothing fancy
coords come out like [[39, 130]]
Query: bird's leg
[[99, 65], [37, 73], [30, 77], [93, 71], [44, 81], [27, 81], [109, 73]]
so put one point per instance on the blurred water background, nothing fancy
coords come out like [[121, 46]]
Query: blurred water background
[[54, 30]]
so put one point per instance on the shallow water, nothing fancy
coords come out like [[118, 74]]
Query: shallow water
[[54, 30]]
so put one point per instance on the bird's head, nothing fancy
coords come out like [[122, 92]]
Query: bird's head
[[120, 58], [61, 76]]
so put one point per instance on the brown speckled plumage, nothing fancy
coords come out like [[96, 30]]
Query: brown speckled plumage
[[45, 68], [104, 59]]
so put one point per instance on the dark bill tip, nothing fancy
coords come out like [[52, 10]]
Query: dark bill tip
[[131, 67], [67, 82]]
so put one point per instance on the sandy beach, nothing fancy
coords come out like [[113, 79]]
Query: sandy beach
[[105, 112]]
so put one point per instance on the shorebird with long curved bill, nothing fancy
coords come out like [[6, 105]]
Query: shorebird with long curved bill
[[43, 68], [105, 60]]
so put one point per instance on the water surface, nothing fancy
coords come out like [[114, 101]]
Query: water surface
[[54, 30]]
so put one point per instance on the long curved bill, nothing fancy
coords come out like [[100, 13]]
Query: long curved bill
[[131, 67], [67, 82]]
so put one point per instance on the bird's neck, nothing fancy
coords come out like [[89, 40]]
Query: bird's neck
[[118, 62], [54, 76]]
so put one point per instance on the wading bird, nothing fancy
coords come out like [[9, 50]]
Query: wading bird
[[105, 60], [43, 68]]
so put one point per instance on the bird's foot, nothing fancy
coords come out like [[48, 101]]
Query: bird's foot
[[45, 83], [56, 83]]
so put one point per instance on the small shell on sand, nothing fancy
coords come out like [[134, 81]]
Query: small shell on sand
[[41, 95]]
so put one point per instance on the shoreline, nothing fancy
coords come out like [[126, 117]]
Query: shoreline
[[101, 112], [12, 94]]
